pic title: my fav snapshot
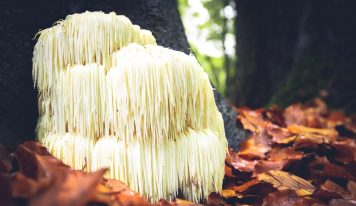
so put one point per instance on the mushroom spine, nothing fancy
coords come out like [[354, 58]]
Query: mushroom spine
[[110, 97]]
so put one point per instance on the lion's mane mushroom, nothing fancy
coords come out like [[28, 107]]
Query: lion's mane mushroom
[[109, 97]]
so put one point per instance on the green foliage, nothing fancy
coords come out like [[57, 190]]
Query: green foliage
[[214, 31]]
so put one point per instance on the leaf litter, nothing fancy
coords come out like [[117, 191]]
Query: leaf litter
[[302, 155]]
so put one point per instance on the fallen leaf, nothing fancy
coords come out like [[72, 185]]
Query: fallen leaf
[[283, 180], [333, 170], [283, 198], [306, 115], [28, 163], [5, 160], [345, 151], [342, 202], [245, 186], [336, 118], [275, 116], [227, 193], [112, 191], [6, 197], [351, 125], [265, 166], [177, 202], [181, 202], [331, 186], [351, 186], [255, 147], [255, 122], [228, 171], [297, 129], [242, 164], [284, 154], [216, 199], [76, 189], [22, 186]]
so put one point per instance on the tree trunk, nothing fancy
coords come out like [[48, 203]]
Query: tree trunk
[[295, 50], [22, 19]]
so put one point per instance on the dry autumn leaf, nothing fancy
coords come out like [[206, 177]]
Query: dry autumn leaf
[[351, 186], [242, 164], [342, 202], [245, 186], [331, 186], [282, 198], [5, 160], [255, 147], [345, 151], [283, 180], [227, 193]]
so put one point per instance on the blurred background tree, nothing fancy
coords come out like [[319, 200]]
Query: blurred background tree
[[210, 30], [286, 51]]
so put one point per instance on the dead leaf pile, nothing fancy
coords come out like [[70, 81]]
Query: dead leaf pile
[[303, 155], [31, 176]]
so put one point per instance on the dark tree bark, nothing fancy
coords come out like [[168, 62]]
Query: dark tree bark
[[290, 51], [20, 20]]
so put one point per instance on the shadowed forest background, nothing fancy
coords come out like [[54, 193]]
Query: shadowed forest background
[[257, 53]]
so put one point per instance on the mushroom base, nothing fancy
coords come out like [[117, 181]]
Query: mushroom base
[[192, 163]]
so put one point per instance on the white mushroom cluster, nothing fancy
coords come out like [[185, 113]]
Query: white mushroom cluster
[[110, 97]]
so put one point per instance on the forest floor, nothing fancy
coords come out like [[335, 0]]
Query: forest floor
[[302, 155]]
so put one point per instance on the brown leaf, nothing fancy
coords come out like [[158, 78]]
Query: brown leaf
[[351, 125], [115, 186], [177, 202], [351, 186], [243, 165], [265, 166], [345, 150], [76, 189], [318, 162], [181, 202], [284, 154], [275, 115], [227, 193], [53, 165], [36, 148], [336, 118], [6, 197], [297, 129], [28, 163], [5, 160], [112, 192], [130, 198], [333, 170], [295, 115], [318, 136], [216, 199], [306, 115], [342, 202], [245, 186], [283, 198], [22, 186], [252, 120], [331, 186], [283, 180], [280, 135], [255, 147], [277, 159]]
